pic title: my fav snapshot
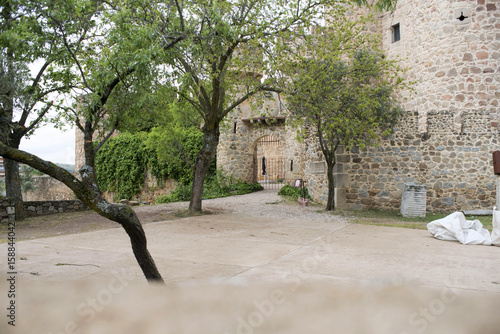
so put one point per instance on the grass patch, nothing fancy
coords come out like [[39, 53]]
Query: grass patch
[[394, 218], [275, 202]]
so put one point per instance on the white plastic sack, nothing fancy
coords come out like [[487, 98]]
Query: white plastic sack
[[495, 234], [456, 228]]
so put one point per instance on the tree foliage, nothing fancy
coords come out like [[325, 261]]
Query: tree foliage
[[101, 57], [349, 102], [176, 147], [344, 91], [26, 94]]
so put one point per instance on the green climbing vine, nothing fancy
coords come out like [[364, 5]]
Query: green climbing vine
[[122, 162]]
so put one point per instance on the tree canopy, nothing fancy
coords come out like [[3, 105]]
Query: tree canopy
[[98, 61]]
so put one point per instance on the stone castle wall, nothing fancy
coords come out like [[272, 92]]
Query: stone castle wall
[[238, 151], [446, 141], [456, 167], [235, 153], [451, 50]]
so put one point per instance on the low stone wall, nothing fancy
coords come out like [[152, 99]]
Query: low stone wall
[[149, 191], [40, 208], [7, 210], [47, 189]]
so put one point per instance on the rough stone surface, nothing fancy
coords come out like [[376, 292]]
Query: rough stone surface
[[39, 208], [7, 210], [47, 188]]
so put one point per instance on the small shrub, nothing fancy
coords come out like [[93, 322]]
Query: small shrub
[[181, 193], [288, 190], [243, 187]]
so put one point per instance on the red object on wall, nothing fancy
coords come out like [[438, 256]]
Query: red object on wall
[[496, 162]]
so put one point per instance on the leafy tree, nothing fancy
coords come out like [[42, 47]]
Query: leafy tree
[[111, 49], [344, 91], [177, 146], [103, 54], [25, 97], [177, 139]]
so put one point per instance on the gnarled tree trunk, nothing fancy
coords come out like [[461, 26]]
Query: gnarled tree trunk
[[13, 186], [87, 191], [203, 161], [330, 205]]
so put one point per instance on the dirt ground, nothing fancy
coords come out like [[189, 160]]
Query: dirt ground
[[78, 222], [255, 265]]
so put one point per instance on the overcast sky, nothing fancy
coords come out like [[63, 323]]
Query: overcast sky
[[52, 144], [48, 142]]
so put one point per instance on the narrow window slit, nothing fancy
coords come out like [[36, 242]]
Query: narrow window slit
[[396, 33]]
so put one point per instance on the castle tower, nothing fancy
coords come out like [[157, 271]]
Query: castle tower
[[453, 51]]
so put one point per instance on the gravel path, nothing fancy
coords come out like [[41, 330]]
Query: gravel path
[[264, 203]]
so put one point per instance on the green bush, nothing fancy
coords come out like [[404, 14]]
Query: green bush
[[216, 186], [181, 193], [177, 147], [288, 190], [122, 161], [243, 187], [121, 164]]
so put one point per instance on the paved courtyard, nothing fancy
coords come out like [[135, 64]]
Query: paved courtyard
[[277, 269]]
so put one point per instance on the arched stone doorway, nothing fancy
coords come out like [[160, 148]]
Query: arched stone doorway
[[269, 162]]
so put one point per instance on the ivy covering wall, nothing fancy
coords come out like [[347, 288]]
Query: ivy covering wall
[[123, 161]]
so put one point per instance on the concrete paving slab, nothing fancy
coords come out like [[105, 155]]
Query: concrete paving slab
[[225, 246], [222, 271], [373, 253]]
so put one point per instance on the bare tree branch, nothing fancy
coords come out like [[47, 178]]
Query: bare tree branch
[[105, 139]]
